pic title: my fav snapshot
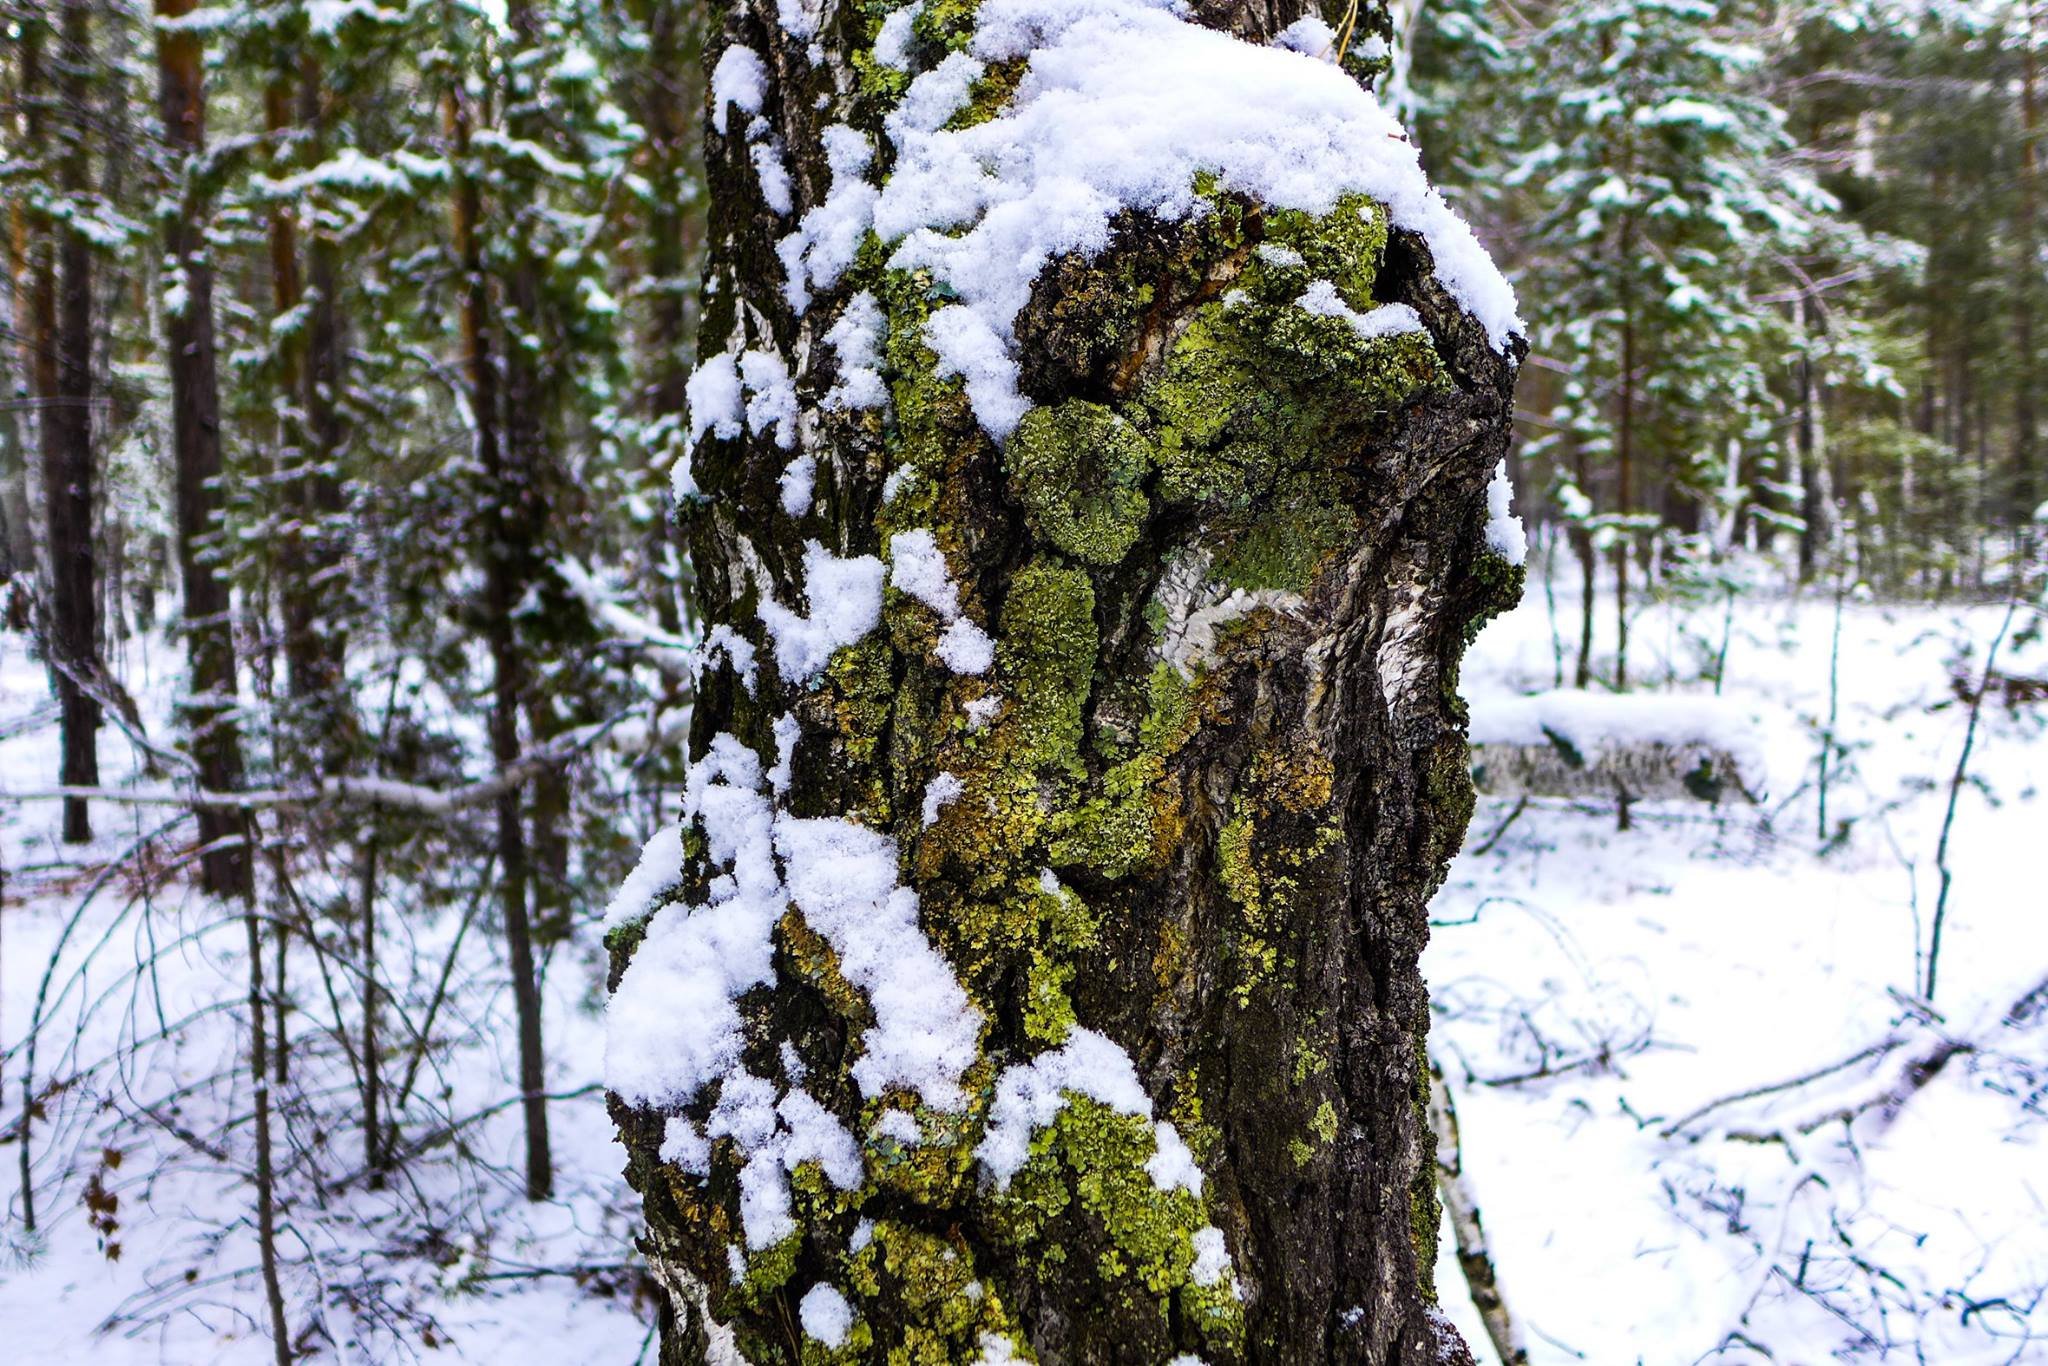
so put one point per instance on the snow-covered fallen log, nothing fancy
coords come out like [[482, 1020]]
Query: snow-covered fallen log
[[1634, 747]]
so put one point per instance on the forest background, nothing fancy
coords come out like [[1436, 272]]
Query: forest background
[[343, 354]]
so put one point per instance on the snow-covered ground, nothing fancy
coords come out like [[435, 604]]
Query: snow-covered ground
[[145, 1024], [1633, 977], [1595, 989]]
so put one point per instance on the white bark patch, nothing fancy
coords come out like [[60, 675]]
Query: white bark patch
[[1196, 607]]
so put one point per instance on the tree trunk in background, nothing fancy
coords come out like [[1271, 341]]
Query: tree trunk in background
[[1163, 828], [1589, 600], [288, 544], [666, 107], [1625, 454], [209, 712], [17, 374], [2027, 268], [1816, 478], [287, 291], [17, 547], [312, 591], [17, 389], [67, 440], [503, 590], [36, 253], [532, 487]]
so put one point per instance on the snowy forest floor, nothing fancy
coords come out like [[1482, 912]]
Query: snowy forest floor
[[1597, 992], [1595, 988]]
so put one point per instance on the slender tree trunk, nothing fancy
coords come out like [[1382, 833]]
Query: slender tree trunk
[[548, 818], [669, 85], [531, 488], [288, 547], [1625, 455], [2027, 269], [67, 441], [17, 545], [1028, 889], [1809, 474], [375, 1155], [209, 711], [266, 1174], [17, 537], [1816, 476], [36, 274], [502, 593], [287, 291], [313, 591], [1589, 599]]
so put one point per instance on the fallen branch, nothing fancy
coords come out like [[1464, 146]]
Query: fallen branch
[[1920, 1053], [1475, 1258], [344, 790]]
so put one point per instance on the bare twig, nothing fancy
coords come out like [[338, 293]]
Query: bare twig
[[1475, 1257], [1955, 788]]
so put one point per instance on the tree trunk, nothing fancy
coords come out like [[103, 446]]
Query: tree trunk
[[670, 91], [376, 1154], [503, 588], [1624, 454], [1070, 894], [67, 442], [17, 536], [209, 710], [1816, 477], [312, 588], [532, 491], [2025, 420]]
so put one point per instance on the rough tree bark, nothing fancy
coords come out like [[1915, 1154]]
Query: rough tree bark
[[1187, 811], [209, 711]]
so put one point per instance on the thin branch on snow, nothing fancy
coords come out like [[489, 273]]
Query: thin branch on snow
[[1475, 1255], [1926, 1049]]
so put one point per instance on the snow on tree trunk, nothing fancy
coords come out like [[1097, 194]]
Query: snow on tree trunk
[[1089, 505]]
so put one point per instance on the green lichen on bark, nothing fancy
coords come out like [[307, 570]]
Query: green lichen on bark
[[1084, 1200], [1079, 470], [927, 1283], [1259, 400]]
